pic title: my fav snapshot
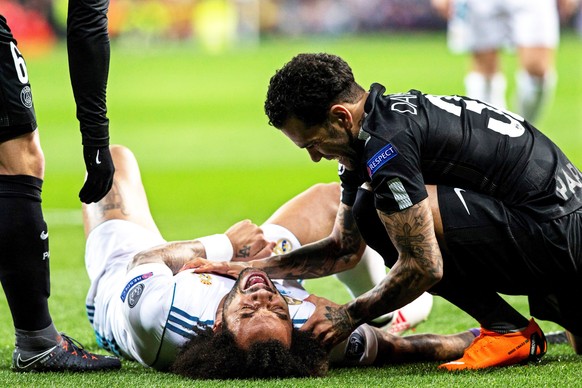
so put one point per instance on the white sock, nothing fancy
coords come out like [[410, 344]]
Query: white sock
[[365, 275], [534, 93], [370, 271], [489, 90]]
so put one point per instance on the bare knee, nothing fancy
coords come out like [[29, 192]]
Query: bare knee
[[126, 166], [120, 153], [328, 192]]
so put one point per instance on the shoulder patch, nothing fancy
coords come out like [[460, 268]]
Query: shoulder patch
[[380, 158], [133, 282], [134, 295]]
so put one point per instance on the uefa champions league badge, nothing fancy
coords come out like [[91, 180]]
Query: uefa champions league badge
[[133, 282], [283, 246], [134, 295], [205, 279]]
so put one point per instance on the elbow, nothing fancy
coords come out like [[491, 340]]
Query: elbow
[[434, 275]]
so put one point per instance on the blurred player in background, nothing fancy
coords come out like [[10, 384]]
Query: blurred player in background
[[485, 28], [145, 304], [24, 248]]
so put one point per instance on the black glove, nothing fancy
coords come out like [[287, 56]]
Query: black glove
[[100, 171]]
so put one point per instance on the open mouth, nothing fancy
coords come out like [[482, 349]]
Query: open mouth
[[256, 278]]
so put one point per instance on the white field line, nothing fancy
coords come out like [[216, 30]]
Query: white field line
[[54, 217]]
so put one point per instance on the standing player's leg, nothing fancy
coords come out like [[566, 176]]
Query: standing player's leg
[[485, 81], [536, 34], [488, 25], [24, 257]]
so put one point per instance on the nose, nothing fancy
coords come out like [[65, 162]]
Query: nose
[[261, 296], [315, 155]]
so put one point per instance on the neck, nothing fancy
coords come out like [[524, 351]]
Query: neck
[[358, 112]]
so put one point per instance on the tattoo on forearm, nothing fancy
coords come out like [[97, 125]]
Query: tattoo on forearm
[[339, 318], [321, 258], [410, 231], [419, 264], [410, 243], [350, 234]]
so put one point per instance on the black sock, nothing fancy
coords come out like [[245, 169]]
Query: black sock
[[486, 306], [36, 340], [24, 253]]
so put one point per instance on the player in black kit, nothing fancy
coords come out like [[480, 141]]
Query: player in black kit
[[24, 251], [505, 215]]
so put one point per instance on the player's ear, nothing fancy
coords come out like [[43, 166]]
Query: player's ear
[[217, 327], [340, 114]]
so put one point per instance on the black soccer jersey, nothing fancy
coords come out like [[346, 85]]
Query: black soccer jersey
[[412, 139], [5, 34]]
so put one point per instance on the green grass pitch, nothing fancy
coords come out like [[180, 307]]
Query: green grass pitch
[[208, 159]]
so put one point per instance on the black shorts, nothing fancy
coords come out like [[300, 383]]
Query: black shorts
[[17, 114], [502, 247]]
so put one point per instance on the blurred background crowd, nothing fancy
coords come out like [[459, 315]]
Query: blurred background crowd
[[219, 24]]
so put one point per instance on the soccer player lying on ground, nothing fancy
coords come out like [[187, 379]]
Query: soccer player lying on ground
[[507, 217], [144, 306]]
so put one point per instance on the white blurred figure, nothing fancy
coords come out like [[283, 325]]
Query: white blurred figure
[[484, 28]]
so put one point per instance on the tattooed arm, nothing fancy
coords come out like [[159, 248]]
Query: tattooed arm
[[419, 265], [247, 241], [338, 252], [173, 254]]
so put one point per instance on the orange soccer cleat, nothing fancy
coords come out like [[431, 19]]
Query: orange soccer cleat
[[491, 349]]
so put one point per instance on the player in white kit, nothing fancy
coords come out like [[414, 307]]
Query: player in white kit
[[485, 28], [144, 306]]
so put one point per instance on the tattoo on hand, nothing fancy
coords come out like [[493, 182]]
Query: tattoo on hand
[[244, 252]]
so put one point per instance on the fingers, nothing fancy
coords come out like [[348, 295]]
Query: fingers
[[198, 264], [321, 331], [266, 251], [95, 189]]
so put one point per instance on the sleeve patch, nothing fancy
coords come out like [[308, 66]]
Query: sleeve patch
[[380, 158], [133, 282], [400, 195]]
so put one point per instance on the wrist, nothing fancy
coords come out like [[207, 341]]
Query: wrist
[[353, 312], [217, 247]]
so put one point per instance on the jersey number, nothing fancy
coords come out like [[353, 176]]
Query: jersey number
[[19, 64], [513, 128]]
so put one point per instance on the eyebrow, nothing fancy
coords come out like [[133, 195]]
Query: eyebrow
[[283, 317]]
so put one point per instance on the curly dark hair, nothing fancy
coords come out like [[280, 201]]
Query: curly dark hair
[[210, 355], [307, 86]]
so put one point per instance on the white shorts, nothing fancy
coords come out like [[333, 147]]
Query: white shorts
[[479, 25], [109, 249]]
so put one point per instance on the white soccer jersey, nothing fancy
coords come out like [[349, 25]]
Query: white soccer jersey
[[146, 314]]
